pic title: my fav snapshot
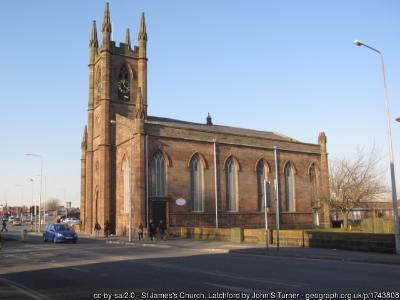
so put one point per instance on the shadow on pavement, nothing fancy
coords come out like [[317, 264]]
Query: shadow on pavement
[[323, 253]]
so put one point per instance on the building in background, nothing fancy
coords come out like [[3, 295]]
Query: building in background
[[379, 207]]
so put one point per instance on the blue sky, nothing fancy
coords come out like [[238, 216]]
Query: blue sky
[[285, 66]]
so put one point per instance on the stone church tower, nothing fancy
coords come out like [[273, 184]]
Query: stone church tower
[[117, 85]]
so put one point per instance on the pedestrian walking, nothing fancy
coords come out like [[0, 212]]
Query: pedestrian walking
[[4, 228], [162, 228], [97, 229], [152, 230], [140, 231], [106, 228]]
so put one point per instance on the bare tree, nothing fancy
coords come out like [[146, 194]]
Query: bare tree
[[353, 180], [52, 204]]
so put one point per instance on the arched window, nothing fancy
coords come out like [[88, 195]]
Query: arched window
[[312, 176], [196, 178], [231, 184], [126, 169], [289, 188], [261, 176], [123, 84], [158, 175]]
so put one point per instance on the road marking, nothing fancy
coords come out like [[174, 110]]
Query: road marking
[[50, 263], [36, 266], [236, 288], [24, 290], [68, 267], [222, 274]]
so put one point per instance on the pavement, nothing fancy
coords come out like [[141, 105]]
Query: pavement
[[247, 249], [258, 249]]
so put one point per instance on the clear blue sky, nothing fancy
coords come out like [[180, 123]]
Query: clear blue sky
[[285, 66]]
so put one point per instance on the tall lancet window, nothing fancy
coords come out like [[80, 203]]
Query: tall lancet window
[[158, 175], [261, 176], [98, 85], [231, 184], [313, 177], [196, 177], [126, 169], [123, 84], [289, 188]]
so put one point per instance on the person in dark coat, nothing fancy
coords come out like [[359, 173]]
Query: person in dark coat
[[152, 230], [97, 229], [106, 228], [162, 228], [4, 226], [140, 231]]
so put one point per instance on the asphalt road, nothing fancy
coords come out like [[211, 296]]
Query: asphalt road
[[93, 269]]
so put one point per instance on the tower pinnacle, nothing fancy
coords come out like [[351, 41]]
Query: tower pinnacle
[[128, 38], [142, 29], [106, 19], [93, 37], [106, 28]]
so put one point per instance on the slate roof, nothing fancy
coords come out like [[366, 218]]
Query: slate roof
[[219, 129]]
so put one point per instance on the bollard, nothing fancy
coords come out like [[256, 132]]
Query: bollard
[[24, 235]]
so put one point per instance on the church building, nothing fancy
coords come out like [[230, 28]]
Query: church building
[[187, 174]]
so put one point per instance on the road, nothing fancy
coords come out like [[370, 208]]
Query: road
[[93, 269]]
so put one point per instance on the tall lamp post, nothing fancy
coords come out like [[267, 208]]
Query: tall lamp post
[[32, 204], [114, 122], [41, 177], [21, 187], [390, 145]]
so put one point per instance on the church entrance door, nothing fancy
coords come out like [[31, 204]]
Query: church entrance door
[[159, 212]]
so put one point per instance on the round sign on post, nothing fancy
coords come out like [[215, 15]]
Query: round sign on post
[[180, 202]]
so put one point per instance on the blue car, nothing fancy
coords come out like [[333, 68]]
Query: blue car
[[58, 233]]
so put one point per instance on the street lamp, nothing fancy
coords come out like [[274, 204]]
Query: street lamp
[[32, 204], [41, 177], [390, 145], [114, 122]]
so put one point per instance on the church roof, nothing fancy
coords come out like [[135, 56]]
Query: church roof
[[219, 129]]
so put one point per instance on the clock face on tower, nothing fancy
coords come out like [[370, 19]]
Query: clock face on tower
[[123, 84]]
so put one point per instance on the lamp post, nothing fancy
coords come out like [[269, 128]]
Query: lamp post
[[390, 145], [21, 187], [41, 177], [44, 202], [114, 122], [32, 204]]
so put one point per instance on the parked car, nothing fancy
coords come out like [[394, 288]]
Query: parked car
[[58, 233], [17, 222], [11, 218], [72, 221]]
